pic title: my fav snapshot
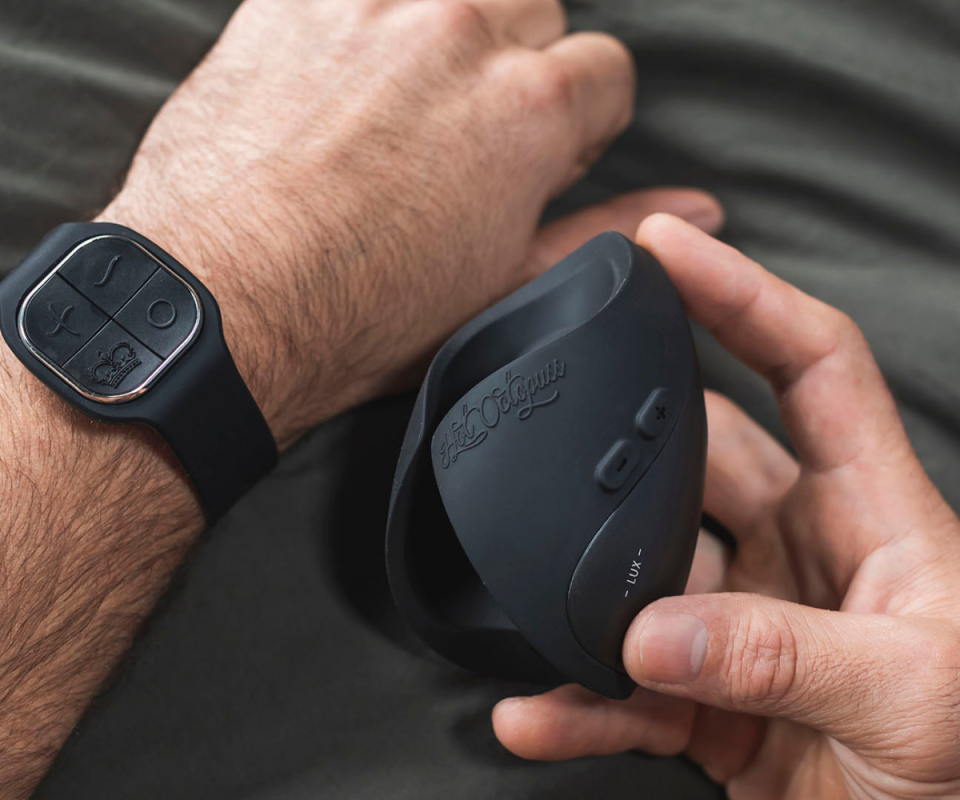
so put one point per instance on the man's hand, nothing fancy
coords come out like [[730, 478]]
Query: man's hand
[[353, 179], [838, 675], [358, 177]]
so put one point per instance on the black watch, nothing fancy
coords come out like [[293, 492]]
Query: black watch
[[121, 330]]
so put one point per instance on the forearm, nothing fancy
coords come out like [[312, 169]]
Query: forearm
[[96, 518]]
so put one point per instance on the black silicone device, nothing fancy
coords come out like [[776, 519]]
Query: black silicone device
[[121, 330], [551, 480]]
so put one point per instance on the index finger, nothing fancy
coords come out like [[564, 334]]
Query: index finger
[[833, 398]]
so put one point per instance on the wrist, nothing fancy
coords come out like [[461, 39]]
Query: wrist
[[139, 343], [40, 429], [280, 357]]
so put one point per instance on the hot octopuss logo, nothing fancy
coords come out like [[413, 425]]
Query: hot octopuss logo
[[521, 393]]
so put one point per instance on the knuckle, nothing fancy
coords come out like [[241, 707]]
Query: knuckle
[[843, 341], [460, 20], [835, 339], [553, 88], [845, 331], [761, 661]]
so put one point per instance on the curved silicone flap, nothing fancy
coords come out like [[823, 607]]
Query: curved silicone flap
[[534, 416]]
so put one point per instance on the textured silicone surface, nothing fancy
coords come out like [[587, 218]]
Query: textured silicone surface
[[513, 545]]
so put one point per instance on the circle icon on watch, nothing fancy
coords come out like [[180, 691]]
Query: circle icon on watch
[[161, 313]]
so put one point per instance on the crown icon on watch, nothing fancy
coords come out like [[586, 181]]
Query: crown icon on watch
[[114, 365]]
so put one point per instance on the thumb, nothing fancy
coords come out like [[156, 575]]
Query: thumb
[[851, 676]]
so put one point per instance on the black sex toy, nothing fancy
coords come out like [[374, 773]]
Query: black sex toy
[[551, 481]]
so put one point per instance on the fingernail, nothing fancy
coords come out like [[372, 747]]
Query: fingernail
[[708, 220], [700, 210], [672, 647]]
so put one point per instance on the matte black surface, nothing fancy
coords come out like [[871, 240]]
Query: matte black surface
[[644, 549], [161, 314], [108, 272], [551, 379], [199, 403], [112, 362], [656, 414], [58, 320], [616, 467]]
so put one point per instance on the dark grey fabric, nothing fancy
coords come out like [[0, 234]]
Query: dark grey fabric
[[276, 667]]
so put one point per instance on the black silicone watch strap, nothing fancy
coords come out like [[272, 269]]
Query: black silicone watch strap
[[132, 362], [217, 432]]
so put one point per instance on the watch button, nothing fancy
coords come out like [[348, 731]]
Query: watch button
[[653, 417], [108, 271], [112, 363], [58, 320], [162, 314]]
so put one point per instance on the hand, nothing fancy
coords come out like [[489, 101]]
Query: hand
[[354, 179], [829, 667]]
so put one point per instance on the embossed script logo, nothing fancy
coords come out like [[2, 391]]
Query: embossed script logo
[[523, 393]]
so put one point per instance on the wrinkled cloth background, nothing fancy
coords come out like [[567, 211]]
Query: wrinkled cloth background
[[277, 668]]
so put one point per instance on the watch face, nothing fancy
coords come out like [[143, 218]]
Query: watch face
[[110, 318]]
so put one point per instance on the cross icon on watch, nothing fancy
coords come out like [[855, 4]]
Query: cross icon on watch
[[661, 412], [61, 321]]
